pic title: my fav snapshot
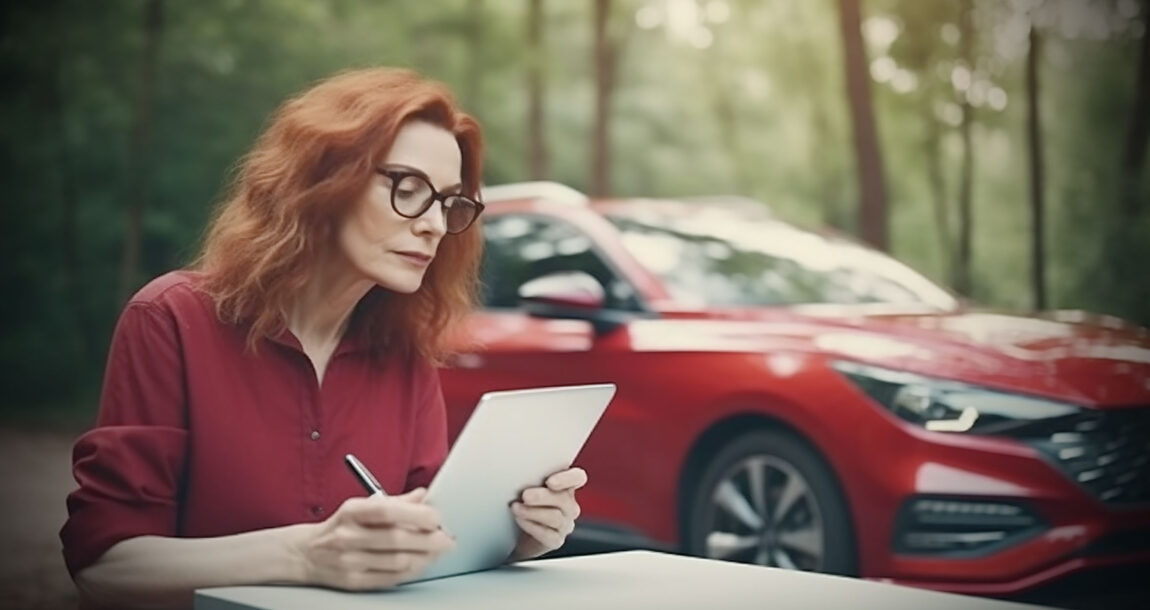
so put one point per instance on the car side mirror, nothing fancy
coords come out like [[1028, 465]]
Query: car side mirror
[[571, 291]]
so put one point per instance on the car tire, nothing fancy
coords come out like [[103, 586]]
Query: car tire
[[732, 517]]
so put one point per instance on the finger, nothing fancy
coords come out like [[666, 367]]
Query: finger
[[570, 479], [391, 511], [368, 580], [541, 496], [371, 561], [416, 495], [395, 538], [418, 567], [546, 536], [549, 517]]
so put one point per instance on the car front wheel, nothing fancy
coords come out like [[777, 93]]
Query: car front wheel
[[768, 498]]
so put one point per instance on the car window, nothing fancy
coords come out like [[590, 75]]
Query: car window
[[522, 247], [719, 258]]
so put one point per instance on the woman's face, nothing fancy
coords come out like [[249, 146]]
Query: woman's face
[[384, 247]]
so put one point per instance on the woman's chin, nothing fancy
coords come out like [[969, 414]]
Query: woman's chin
[[402, 285]]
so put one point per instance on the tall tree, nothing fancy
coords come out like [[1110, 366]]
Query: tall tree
[[872, 181], [917, 49], [56, 112], [1034, 146], [473, 77], [605, 57], [538, 161], [1138, 131], [936, 181], [141, 145], [963, 273]]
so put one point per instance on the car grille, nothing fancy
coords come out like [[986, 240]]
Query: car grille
[[962, 527], [1107, 452]]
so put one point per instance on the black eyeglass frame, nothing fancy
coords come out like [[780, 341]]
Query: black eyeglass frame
[[398, 174]]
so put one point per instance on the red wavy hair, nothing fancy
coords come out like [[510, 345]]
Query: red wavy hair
[[311, 164]]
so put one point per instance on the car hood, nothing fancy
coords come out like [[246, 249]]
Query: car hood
[[1089, 359]]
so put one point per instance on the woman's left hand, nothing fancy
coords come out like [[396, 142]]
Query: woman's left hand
[[546, 515]]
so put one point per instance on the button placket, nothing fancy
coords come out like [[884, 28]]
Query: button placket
[[311, 458]]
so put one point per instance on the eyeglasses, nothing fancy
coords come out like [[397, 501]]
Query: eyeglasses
[[412, 195]]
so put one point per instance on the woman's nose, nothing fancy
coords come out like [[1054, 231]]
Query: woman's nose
[[433, 221]]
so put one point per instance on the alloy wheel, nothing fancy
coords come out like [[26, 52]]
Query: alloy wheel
[[764, 511]]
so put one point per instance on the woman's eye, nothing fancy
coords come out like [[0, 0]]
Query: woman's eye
[[409, 188]]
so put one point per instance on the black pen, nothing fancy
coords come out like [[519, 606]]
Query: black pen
[[361, 472], [370, 483]]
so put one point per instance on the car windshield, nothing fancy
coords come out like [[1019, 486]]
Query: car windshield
[[719, 255]]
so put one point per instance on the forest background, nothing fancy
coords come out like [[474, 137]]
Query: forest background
[[998, 146]]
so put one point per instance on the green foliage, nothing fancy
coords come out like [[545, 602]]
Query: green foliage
[[712, 97]]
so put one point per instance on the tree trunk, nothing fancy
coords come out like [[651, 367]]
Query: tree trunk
[[604, 54], [1134, 153], [140, 152], [872, 184], [932, 148], [56, 119], [963, 276], [538, 162], [1034, 143], [474, 66], [66, 191]]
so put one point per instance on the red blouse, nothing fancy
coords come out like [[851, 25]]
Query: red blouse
[[198, 437]]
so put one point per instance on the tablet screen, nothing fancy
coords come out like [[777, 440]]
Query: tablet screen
[[513, 440]]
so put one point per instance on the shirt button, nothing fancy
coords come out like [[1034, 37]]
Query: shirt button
[[316, 511], [315, 435]]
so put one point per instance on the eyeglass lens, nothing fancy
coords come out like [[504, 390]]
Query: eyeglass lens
[[412, 196]]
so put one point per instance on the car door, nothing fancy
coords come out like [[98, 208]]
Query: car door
[[505, 348]]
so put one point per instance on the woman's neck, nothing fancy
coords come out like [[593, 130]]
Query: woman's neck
[[320, 314]]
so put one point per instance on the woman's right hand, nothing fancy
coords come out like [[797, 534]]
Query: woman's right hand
[[373, 543]]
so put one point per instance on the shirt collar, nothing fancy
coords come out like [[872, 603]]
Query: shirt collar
[[354, 337]]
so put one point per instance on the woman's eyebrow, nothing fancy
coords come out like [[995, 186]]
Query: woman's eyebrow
[[415, 170]]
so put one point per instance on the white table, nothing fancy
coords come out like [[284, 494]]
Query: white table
[[629, 579]]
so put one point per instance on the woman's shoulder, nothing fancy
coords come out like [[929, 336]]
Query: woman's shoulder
[[176, 291]]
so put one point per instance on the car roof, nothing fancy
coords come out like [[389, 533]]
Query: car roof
[[541, 189]]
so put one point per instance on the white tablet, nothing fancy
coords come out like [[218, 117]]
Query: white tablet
[[513, 440]]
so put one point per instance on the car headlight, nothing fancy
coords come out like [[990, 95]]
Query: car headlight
[[949, 406]]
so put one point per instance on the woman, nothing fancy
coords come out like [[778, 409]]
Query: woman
[[309, 328]]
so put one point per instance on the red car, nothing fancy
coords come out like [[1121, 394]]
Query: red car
[[799, 400]]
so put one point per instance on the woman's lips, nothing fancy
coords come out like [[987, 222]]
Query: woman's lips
[[418, 259]]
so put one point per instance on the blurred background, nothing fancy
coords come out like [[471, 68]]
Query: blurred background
[[997, 146], [122, 118]]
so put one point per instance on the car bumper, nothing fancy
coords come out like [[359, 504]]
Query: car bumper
[[1073, 531], [1070, 563]]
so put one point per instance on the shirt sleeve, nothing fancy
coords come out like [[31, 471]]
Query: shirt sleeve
[[430, 434], [129, 467]]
